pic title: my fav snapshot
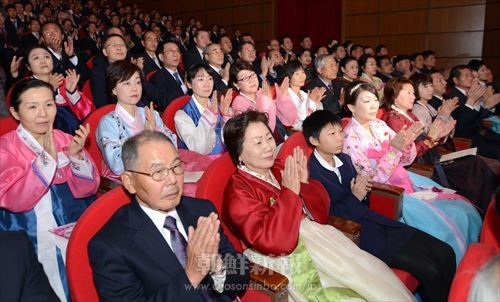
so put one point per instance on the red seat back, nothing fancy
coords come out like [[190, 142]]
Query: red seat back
[[87, 90], [294, 140], [211, 186], [150, 74], [79, 271], [90, 63], [7, 124], [91, 143], [476, 256], [490, 233], [169, 113]]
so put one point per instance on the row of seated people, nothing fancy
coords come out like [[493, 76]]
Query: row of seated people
[[463, 238], [194, 124]]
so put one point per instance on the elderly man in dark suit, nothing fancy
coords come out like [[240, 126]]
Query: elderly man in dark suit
[[163, 246], [326, 69], [21, 275]]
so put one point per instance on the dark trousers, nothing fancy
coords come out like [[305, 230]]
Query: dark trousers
[[430, 261]]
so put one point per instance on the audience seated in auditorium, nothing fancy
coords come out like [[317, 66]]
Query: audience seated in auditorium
[[304, 57], [417, 62], [402, 66], [400, 246], [280, 219], [429, 61], [124, 81], [163, 246], [326, 76], [48, 179], [379, 152], [475, 103], [72, 105], [399, 104]]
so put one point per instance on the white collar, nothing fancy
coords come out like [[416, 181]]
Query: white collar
[[201, 109], [438, 96], [217, 69], [270, 180], [244, 95], [325, 164], [158, 219], [463, 91]]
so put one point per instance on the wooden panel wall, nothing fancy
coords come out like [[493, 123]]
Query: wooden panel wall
[[491, 41], [454, 29], [254, 16]]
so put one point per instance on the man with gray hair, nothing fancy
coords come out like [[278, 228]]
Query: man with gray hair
[[214, 56], [326, 74], [163, 246]]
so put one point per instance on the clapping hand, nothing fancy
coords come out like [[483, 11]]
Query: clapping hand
[[56, 80], [360, 186], [150, 123], [48, 144], [448, 106], [406, 136], [202, 248], [14, 66], [71, 80], [76, 146], [317, 94], [282, 89], [225, 102], [69, 48]]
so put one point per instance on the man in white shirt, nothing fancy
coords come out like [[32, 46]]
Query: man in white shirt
[[163, 246]]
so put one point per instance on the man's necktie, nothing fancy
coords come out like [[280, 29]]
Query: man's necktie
[[179, 244], [177, 78]]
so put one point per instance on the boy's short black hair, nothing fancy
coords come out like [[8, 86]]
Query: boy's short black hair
[[316, 121]]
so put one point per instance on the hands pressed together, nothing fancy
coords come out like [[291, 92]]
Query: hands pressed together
[[202, 253]]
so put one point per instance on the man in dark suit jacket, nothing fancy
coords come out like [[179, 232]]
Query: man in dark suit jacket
[[169, 80], [327, 68], [151, 60], [163, 246], [194, 55], [64, 54], [214, 56], [470, 112], [13, 25], [22, 277]]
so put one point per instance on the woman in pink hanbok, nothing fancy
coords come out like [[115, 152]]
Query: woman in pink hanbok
[[377, 151], [48, 179], [281, 110]]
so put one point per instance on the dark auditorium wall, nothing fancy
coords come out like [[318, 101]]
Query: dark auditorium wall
[[254, 16], [458, 30]]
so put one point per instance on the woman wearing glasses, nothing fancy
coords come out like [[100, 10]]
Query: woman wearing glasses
[[124, 81], [279, 110]]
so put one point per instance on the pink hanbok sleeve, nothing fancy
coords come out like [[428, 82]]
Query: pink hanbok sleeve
[[241, 104], [267, 105], [378, 161], [286, 110], [25, 176]]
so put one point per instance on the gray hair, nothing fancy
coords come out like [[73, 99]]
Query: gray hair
[[486, 284], [320, 61], [129, 149]]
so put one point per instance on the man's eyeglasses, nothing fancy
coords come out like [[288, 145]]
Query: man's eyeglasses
[[161, 174], [247, 78]]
